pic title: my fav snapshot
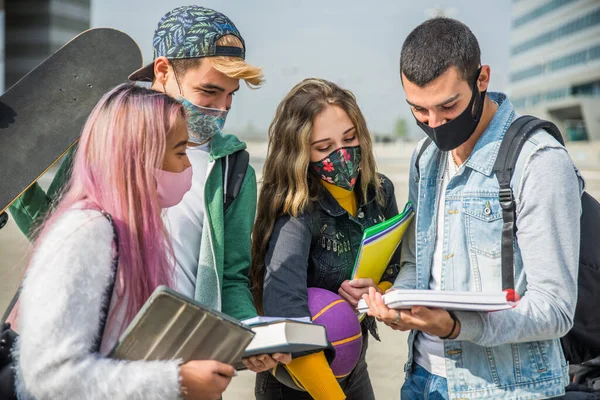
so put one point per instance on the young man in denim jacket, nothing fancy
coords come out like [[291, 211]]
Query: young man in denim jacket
[[455, 240]]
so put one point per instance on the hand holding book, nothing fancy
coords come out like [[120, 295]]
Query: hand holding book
[[205, 379], [265, 362], [446, 299], [430, 311], [435, 321], [353, 291]]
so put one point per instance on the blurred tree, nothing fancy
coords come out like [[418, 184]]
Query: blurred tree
[[401, 129]]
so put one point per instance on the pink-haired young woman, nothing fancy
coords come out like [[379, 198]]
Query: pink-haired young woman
[[131, 163]]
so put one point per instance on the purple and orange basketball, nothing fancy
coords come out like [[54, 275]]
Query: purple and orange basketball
[[342, 326], [343, 332]]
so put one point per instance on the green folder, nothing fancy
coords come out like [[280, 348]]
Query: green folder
[[378, 244]]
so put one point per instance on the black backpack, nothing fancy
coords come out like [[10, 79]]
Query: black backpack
[[582, 343], [234, 168]]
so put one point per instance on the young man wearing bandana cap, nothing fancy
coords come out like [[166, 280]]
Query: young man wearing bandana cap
[[199, 58], [455, 240]]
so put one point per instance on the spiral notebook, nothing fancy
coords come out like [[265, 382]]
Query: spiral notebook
[[379, 244]]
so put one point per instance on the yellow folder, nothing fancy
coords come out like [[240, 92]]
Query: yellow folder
[[379, 243]]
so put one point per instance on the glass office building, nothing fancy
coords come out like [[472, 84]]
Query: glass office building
[[555, 63], [34, 29]]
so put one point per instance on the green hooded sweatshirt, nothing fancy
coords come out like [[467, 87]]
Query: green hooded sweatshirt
[[223, 280]]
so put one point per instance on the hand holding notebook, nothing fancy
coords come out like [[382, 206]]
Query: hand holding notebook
[[446, 299]]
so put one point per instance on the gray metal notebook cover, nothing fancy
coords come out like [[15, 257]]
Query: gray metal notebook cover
[[171, 326]]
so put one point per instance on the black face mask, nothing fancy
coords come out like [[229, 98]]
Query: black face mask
[[457, 131]]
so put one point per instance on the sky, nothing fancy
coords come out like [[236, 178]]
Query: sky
[[355, 44]]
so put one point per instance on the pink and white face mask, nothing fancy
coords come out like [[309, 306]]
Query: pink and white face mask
[[172, 186]]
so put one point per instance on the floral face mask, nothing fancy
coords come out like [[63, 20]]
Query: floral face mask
[[203, 122], [340, 168]]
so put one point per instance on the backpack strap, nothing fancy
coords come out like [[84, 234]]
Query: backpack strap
[[3, 219], [11, 305], [107, 295], [111, 287], [424, 147], [512, 143], [233, 167]]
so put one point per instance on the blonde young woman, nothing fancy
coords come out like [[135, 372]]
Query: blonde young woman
[[320, 190]]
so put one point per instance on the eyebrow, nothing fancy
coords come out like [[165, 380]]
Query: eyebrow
[[211, 86], [449, 100], [326, 139], [182, 143]]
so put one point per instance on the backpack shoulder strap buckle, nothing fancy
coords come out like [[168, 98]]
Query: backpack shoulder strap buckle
[[507, 199]]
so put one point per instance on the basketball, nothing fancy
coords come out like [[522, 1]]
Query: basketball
[[343, 332]]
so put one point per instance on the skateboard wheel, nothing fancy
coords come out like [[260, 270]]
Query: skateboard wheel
[[3, 219]]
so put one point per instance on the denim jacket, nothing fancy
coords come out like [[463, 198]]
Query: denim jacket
[[514, 353], [318, 249]]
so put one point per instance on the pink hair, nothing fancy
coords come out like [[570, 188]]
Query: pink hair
[[122, 142]]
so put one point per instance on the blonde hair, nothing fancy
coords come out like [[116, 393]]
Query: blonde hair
[[233, 67], [287, 186]]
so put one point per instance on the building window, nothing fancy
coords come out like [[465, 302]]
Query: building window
[[527, 73], [587, 89], [539, 12], [567, 29], [570, 60], [575, 129]]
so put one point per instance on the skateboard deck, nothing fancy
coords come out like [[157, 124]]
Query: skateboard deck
[[42, 115]]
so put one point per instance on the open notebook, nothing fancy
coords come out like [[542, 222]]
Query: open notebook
[[446, 299], [379, 243]]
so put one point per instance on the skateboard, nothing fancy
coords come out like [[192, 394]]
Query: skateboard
[[42, 115]]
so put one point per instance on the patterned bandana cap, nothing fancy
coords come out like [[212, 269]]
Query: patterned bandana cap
[[203, 122], [191, 32], [340, 168]]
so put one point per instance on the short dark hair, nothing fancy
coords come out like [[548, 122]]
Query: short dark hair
[[436, 45], [183, 65]]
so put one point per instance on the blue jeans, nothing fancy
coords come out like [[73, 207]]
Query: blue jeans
[[420, 384]]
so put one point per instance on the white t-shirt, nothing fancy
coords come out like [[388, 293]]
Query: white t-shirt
[[429, 350], [185, 220]]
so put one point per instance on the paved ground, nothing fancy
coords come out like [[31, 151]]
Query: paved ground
[[386, 358]]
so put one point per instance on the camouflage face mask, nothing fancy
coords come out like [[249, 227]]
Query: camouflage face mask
[[203, 122], [340, 168]]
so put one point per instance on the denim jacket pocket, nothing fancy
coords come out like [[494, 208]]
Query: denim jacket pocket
[[483, 221], [537, 355], [540, 360]]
